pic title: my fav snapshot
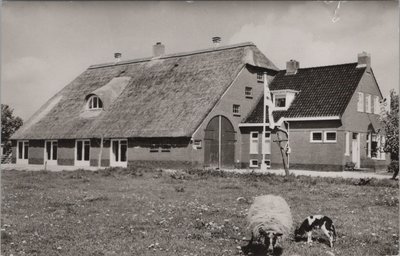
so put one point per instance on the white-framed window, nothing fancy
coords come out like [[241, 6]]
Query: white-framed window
[[377, 107], [360, 102], [368, 105], [268, 163], [236, 109], [316, 136], [248, 92], [119, 150], [82, 152], [377, 143], [330, 136], [50, 151], [22, 152], [260, 77], [347, 144], [280, 100], [253, 163], [94, 102], [166, 148], [197, 144], [254, 143], [267, 148]]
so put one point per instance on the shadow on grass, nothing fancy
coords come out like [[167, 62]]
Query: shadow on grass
[[260, 250]]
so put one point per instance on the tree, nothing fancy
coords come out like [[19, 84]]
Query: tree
[[9, 124], [390, 121]]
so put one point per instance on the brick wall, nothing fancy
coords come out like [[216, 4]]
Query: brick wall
[[66, 151], [36, 152]]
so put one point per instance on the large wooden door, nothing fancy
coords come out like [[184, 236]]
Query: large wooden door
[[219, 143]]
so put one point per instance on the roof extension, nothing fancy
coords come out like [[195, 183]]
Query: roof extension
[[167, 96], [323, 91]]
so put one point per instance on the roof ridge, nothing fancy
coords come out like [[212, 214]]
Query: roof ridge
[[173, 55], [327, 66]]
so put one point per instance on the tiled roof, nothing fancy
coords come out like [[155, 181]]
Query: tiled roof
[[323, 91]]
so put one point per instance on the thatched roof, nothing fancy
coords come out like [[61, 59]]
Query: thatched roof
[[164, 97]]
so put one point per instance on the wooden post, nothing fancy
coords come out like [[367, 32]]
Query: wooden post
[[284, 155], [101, 150]]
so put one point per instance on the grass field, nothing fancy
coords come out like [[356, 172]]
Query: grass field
[[129, 212]]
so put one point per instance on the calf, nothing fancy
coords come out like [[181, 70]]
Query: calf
[[317, 222]]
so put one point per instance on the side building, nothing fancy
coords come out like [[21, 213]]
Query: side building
[[333, 117]]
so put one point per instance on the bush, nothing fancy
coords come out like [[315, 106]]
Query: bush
[[393, 166]]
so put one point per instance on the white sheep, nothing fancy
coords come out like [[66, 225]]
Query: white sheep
[[269, 217]]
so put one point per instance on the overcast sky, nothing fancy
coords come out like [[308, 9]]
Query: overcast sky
[[45, 45]]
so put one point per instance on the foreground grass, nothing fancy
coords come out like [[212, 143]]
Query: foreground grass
[[116, 212]]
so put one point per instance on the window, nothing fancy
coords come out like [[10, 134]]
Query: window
[[166, 148], [377, 106], [377, 142], [368, 103], [197, 144], [260, 77], [360, 102], [253, 163], [236, 110], [330, 137], [268, 163], [23, 149], [316, 137], [154, 148], [51, 151], [280, 101], [82, 155], [253, 142], [347, 145], [267, 145], [248, 92], [95, 102], [119, 150]]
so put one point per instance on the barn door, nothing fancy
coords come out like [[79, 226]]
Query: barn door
[[219, 143]]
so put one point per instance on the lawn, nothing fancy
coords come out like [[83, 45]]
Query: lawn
[[152, 212]]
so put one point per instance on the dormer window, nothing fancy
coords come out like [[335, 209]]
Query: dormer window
[[280, 101], [95, 102]]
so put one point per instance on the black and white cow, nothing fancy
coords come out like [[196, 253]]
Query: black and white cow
[[317, 222]]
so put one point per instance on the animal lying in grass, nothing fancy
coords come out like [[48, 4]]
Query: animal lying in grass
[[269, 217], [317, 222]]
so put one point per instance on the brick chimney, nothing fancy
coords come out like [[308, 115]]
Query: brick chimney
[[117, 57], [364, 60], [291, 67], [158, 49]]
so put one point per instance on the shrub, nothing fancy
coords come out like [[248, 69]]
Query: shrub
[[394, 165]]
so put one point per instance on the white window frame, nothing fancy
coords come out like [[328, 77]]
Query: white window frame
[[248, 92], [82, 162], [118, 163], [377, 105], [267, 150], [326, 137], [91, 100], [316, 141], [380, 155], [268, 163], [50, 161], [251, 163], [347, 145], [368, 104], [360, 102], [236, 109], [280, 96], [254, 143], [260, 77], [197, 144], [22, 159]]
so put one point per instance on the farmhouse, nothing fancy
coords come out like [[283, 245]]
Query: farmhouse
[[205, 108]]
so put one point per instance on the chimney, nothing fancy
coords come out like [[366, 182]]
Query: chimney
[[291, 67], [117, 57], [364, 60], [216, 40], [158, 49]]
